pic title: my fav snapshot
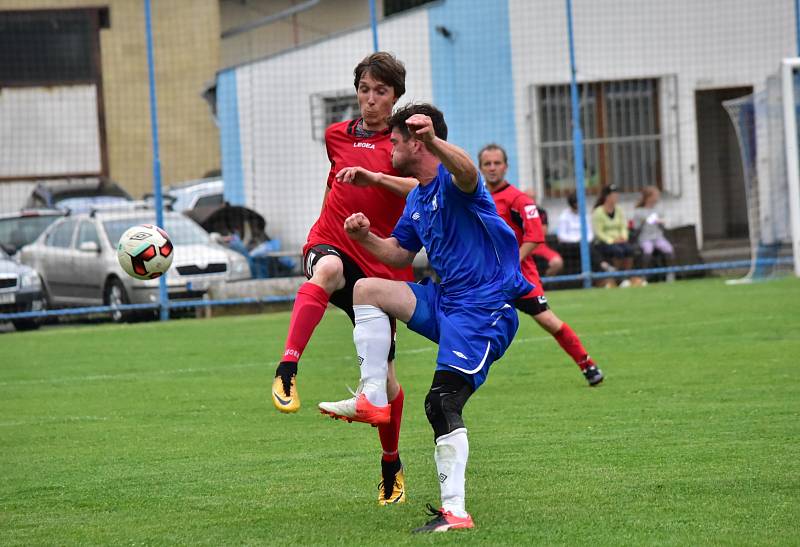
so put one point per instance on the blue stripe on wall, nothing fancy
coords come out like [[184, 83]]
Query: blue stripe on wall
[[228, 119], [472, 76]]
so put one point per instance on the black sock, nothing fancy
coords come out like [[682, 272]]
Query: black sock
[[390, 468], [286, 370]]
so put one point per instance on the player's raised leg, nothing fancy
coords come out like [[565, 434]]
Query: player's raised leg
[[309, 307], [374, 300]]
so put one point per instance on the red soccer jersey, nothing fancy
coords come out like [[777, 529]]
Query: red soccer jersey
[[520, 212], [382, 207]]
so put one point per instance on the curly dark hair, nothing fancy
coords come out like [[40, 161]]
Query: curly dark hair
[[398, 119]]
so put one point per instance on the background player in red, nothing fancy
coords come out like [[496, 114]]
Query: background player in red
[[520, 212], [333, 262], [545, 256]]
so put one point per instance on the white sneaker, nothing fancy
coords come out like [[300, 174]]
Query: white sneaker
[[625, 283]]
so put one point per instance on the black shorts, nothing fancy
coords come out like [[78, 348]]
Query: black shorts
[[343, 298], [532, 306]]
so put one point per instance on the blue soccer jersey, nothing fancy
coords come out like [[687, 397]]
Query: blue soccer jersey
[[470, 247]]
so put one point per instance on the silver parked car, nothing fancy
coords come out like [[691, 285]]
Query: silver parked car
[[77, 259], [20, 291], [203, 195]]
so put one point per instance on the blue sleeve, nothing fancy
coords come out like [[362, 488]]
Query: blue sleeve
[[451, 187], [405, 234]]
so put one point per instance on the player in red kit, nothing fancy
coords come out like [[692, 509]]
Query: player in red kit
[[548, 255], [520, 212], [333, 262]]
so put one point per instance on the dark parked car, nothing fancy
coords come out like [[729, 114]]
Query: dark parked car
[[20, 229], [77, 195], [20, 291]]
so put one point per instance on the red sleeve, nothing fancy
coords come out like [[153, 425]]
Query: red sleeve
[[331, 175], [531, 223], [332, 172]]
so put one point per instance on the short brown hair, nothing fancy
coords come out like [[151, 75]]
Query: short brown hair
[[493, 146], [398, 119], [385, 68]]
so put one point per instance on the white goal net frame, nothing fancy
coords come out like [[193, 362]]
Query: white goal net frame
[[790, 80]]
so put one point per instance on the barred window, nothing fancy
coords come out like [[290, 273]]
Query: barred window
[[328, 108], [621, 131]]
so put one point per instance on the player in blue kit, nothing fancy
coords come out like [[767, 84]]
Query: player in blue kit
[[470, 313]]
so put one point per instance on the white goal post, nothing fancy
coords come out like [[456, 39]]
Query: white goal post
[[790, 76]]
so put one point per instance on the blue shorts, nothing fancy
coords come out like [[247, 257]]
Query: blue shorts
[[470, 338]]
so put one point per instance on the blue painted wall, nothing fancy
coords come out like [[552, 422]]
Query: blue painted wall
[[228, 119], [472, 76]]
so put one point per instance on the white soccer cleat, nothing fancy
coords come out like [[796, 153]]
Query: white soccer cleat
[[357, 409], [339, 409]]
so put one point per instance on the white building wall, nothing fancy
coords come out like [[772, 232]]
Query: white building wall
[[49, 131], [285, 169], [705, 44]]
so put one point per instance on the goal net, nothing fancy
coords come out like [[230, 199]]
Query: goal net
[[758, 120]]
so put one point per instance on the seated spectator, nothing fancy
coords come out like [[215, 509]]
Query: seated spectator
[[543, 253], [568, 229], [568, 232], [611, 232], [648, 222]]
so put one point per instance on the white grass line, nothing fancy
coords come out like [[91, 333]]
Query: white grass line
[[592, 333], [346, 357], [125, 375], [55, 420]]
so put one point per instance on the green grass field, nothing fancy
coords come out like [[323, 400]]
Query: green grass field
[[164, 433]]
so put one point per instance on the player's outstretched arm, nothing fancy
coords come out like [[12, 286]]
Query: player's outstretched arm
[[358, 176], [456, 160], [399, 185], [386, 250]]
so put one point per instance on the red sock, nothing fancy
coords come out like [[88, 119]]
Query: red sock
[[570, 343], [390, 433], [309, 307]]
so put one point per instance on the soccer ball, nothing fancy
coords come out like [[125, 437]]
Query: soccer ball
[[145, 251]]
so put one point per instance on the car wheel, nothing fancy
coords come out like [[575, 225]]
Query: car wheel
[[29, 324], [25, 324], [47, 305], [115, 295]]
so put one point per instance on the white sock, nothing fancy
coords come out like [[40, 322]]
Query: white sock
[[452, 451], [373, 338]]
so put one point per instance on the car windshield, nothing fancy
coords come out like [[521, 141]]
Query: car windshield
[[180, 229], [19, 231]]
